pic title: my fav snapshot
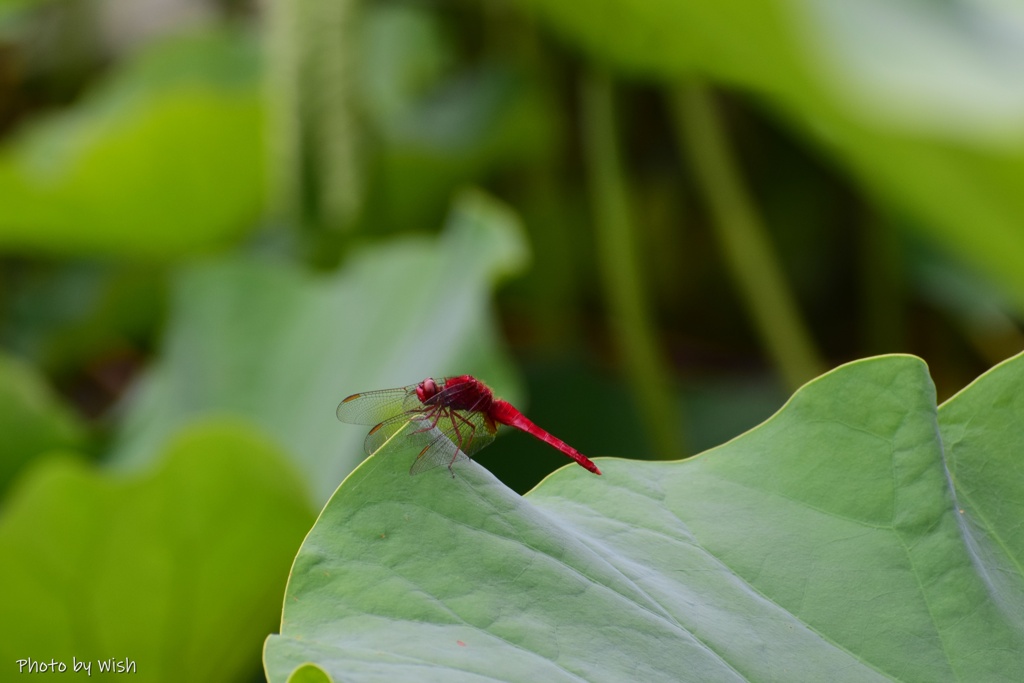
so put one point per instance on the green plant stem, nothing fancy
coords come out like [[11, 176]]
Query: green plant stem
[[317, 178], [630, 319], [743, 237], [283, 104]]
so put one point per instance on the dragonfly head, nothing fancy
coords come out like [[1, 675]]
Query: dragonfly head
[[427, 389]]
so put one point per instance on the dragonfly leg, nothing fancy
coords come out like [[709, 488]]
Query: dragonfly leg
[[455, 428], [434, 416], [451, 462]]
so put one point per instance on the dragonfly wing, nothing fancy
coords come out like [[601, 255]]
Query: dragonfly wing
[[403, 431], [443, 436], [469, 431], [439, 451], [374, 407], [410, 431]]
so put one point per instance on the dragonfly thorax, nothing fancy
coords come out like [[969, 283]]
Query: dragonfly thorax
[[458, 393]]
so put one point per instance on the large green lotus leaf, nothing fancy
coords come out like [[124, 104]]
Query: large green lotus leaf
[[984, 443], [922, 101], [32, 420], [283, 347], [167, 157], [829, 543], [175, 569]]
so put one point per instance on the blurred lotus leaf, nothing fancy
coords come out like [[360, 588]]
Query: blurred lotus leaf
[[155, 567], [166, 157]]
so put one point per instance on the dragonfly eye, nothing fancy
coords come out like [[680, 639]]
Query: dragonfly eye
[[427, 390]]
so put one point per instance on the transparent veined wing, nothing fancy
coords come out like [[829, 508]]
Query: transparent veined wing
[[374, 407], [470, 431], [441, 436], [440, 451], [453, 435], [403, 431], [414, 432]]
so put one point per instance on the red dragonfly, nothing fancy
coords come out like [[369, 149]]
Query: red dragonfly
[[448, 419]]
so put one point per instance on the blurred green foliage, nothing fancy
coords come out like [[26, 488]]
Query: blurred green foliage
[[175, 139], [32, 419], [236, 213], [926, 115], [179, 570]]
